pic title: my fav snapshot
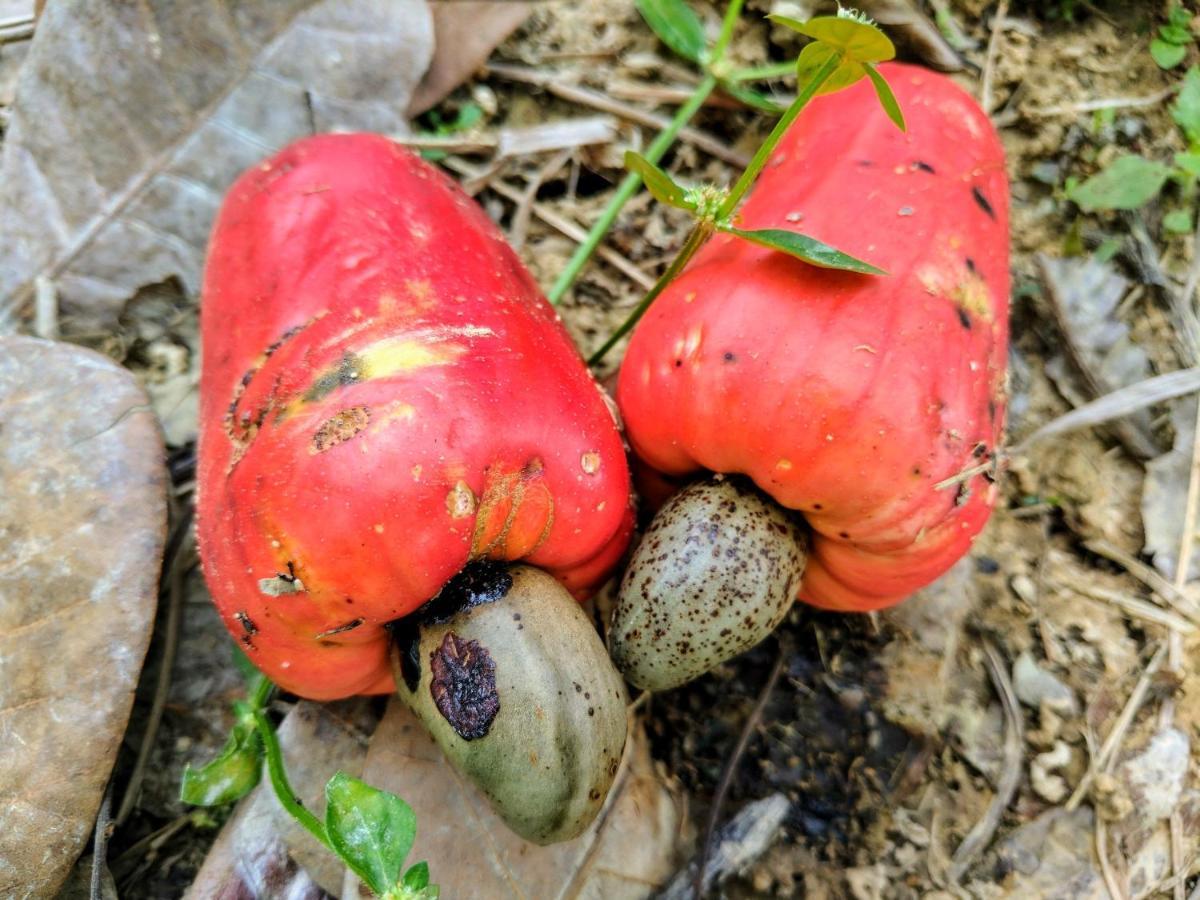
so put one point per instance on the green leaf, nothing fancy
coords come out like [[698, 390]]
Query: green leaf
[[1186, 108], [888, 100], [676, 25], [752, 98], [1189, 162], [1178, 17], [1108, 248], [1128, 183], [371, 830], [230, 776], [658, 182], [856, 39], [1178, 221], [803, 247], [815, 55], [1167, 55], [417, 878]]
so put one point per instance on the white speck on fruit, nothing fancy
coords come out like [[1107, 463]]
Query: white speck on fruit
[[590, 462]]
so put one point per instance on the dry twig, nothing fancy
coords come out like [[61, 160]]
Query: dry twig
[[1164, 591], [587, 97], [520, 220], [1098, 104], [739, 750], [981, 834], [1103, 760], [989, 66], [557, 222], [181, 563]]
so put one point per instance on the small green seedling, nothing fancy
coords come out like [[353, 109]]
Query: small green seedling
[[370, 830], [843, 50], [442, 126], [1131, 181], [1170, 48]]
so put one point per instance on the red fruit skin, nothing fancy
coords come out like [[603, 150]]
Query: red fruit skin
[[385, 395], [848, 397]]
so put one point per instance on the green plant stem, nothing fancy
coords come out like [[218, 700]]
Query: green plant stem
[[283, 789], [628, 187], [262, 691], [760, 156], [704, 229], [727, 25], [763, 73], [699, 234]]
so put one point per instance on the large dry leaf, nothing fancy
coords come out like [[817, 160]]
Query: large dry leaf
[[1085, 295], [131, 119], [262, 852], [626, 854], [467, 32], [82, 523]]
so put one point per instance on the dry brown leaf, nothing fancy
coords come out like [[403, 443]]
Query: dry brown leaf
[[82, 524], [262, 851], [465, 34], [131, 119], [1084, 295], [627, 853]]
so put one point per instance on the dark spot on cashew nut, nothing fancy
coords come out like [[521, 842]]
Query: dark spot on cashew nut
[[483, 581], [463, 686]]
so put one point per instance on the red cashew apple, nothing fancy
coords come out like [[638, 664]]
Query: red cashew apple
[[386, 397], [847, 398]]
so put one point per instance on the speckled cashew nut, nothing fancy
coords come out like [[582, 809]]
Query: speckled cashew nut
[[716, 572]]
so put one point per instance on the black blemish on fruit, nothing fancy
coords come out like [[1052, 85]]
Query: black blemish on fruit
[[463, 686], [340, 629], [979, 450], [678, 363], [348, 371], [246, 622], [963, 495], [729, 356], [478, 583], [863, 162], [971, 266], [844, 534], [992, 410], [982, 201], [818, 506], [964, 318], [917, 471], [923, 166]]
